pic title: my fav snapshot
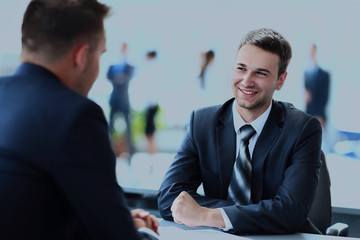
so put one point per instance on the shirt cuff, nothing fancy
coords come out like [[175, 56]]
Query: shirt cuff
[[228, 225], [149, 232]]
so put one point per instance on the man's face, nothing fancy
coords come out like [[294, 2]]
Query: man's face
[[91, 71], [255, 78]]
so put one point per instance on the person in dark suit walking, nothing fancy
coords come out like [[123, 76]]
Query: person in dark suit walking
[[284, 153], [317, 84], [57, 168], [120, 75]]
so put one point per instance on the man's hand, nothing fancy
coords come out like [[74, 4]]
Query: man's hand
[[308, 97], [185, 210], [321, 120], [143, 218]]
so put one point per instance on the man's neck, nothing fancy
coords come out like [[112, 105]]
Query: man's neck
[[59, 68], [250, 115]]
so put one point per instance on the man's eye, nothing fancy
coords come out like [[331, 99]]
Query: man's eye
[[261, 74], [241, 68]]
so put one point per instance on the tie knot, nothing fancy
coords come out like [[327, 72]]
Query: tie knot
[[246, 132]]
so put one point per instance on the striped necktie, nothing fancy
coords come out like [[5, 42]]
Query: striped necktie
[[240, 184]]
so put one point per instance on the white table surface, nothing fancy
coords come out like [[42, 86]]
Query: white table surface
[[173, 231]]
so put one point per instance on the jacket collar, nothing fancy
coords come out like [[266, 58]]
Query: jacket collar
[[226, 145], [269, 135], [33, 69]]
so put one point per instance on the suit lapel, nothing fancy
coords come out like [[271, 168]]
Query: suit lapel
[[226, 145], [266, 140]]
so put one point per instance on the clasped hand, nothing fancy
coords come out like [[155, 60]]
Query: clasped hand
[[143, 218]]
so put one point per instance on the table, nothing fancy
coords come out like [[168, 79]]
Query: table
[[173, 231]]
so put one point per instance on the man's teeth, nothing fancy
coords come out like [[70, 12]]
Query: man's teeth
[[247, 92]]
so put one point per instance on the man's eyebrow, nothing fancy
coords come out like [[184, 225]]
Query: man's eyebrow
[[241, 64], [262, 70], [257, 69]]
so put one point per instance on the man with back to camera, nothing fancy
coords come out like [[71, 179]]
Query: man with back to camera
[[257, 158], [57, 168]]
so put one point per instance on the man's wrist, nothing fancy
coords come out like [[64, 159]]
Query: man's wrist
[[213, 218], [228, 224]]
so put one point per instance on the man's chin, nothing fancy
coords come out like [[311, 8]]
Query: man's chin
[[247, 105]]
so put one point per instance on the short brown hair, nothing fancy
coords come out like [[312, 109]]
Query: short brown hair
[[271, 41], [52, 27]]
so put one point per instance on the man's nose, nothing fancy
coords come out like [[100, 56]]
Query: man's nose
[[248, 79]]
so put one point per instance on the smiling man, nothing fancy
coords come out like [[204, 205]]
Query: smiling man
[[257, 158]]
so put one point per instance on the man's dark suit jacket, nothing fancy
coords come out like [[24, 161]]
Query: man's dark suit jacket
[[57, 168], [286, 162], [317, 82]]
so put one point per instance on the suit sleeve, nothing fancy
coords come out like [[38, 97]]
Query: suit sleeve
[[324, 91], [110, 74], [185, 174], [130, 72], [287, 211], [85, 172]]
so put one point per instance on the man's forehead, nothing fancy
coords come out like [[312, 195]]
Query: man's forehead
[[255, 57]]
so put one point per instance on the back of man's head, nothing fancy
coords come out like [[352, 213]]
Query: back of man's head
[[51, 28]]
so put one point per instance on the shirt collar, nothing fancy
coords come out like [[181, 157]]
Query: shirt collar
[[257, 124]]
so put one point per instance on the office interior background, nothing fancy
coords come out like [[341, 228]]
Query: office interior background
[[180, 30]]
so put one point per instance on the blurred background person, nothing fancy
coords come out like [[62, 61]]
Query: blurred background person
[[120, 75], [205, 90], [317, 82], [207, 58], [150, 76]]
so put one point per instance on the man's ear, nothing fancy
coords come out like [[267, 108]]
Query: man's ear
[[80, 56], [281, 81]]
